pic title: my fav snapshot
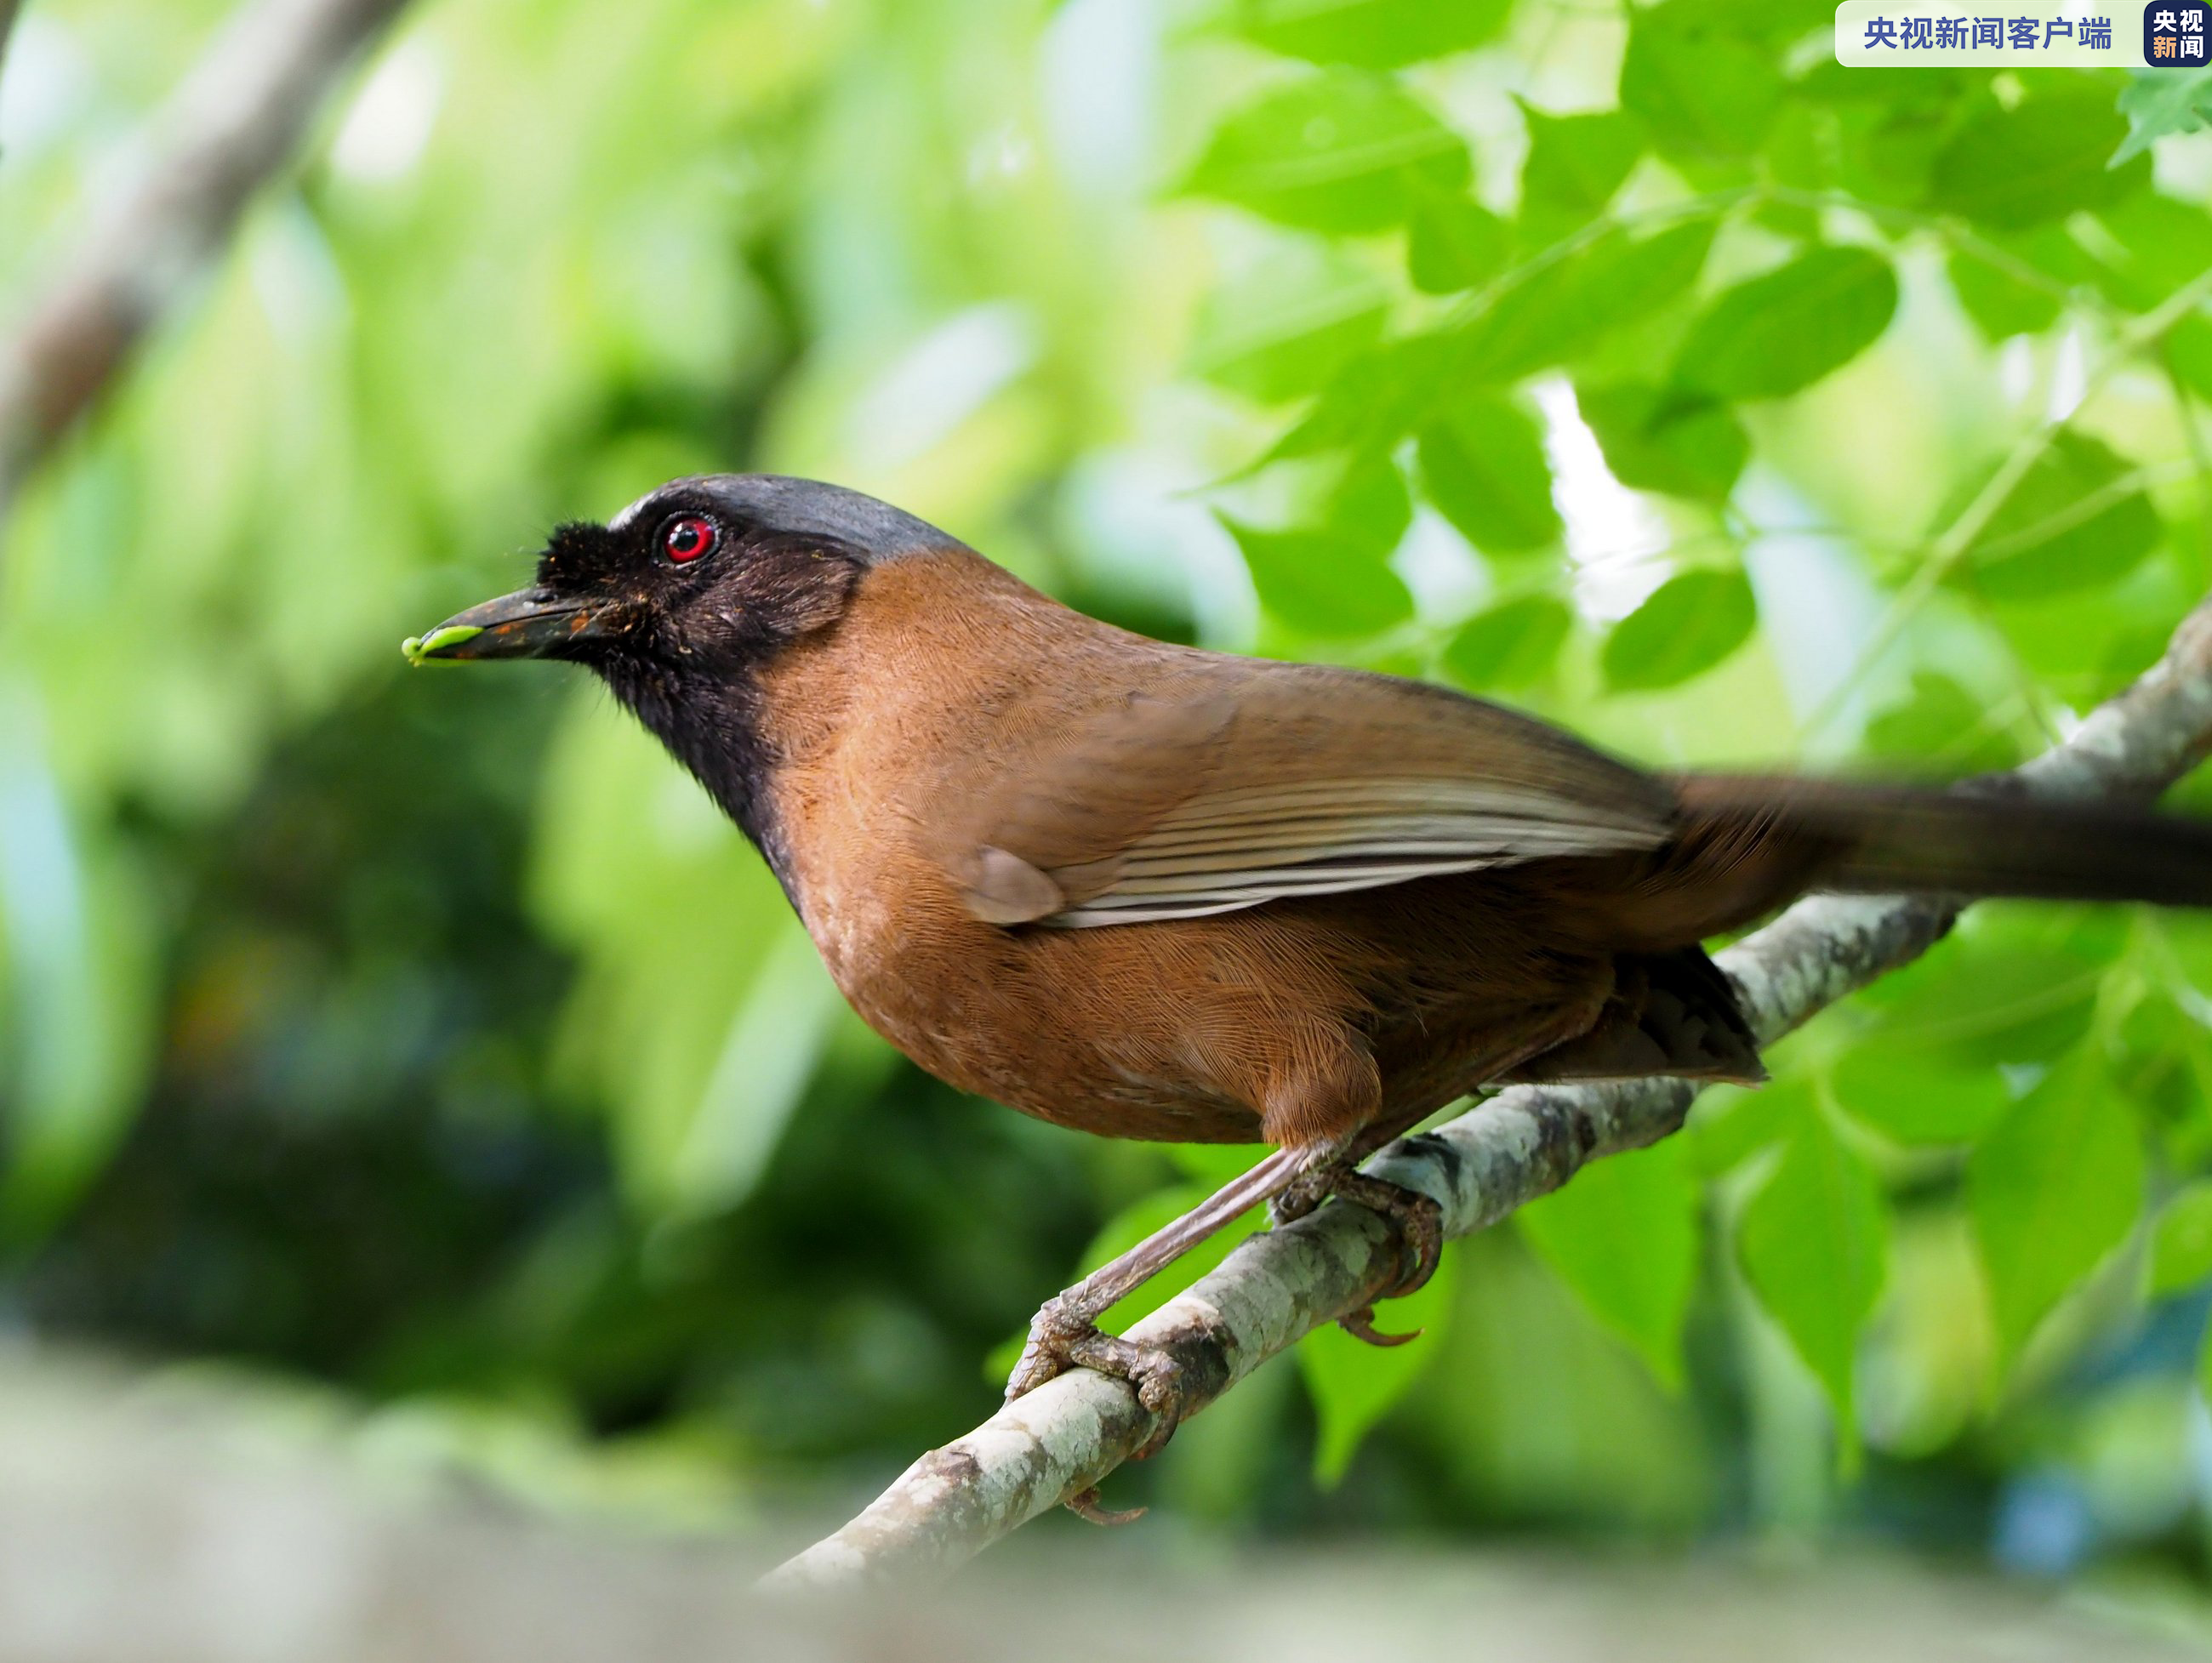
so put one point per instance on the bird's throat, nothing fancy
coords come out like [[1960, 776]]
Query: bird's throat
[[713, 725]]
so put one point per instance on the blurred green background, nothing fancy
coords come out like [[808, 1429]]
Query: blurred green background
[[429, 1041]]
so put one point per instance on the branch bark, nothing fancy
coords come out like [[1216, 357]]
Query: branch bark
[[1068, 1435], [231, 123]]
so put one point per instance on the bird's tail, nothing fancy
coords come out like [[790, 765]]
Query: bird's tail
[[1880, 839]]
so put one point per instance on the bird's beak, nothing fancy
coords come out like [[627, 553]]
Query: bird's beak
[[530, 624]]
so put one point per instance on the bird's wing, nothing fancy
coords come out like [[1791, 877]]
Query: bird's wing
[[1219, 790]]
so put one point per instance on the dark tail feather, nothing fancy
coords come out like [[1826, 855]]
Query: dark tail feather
[[1670, 1013], [1882, 838]]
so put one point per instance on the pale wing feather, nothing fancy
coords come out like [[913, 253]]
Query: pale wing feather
[[1237, 783]]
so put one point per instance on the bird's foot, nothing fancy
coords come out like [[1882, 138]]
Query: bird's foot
[[1417, 1220], [1064, 1337], [1306, 1191]]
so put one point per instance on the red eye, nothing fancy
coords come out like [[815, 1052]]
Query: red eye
[[689, 537]]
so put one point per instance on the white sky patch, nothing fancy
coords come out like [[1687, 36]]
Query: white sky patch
[[1817, 606], [294, 275], [1003, 152], [2069, 376], [389, 125], [1435, 563], [43, 85], [1135, 518], [940, 382], [1613, 536], [1098, 70]]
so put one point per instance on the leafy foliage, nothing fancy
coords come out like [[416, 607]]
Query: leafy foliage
[[1688, 625], [1814, 1241], [1648, 369], [2055, 1186], [1337, 152], [1624, 1234], [1483, 466], [1778, 334], [2160, 105]]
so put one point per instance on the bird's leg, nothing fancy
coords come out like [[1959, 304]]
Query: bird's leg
[[1333, 1169], [1065, 1333]]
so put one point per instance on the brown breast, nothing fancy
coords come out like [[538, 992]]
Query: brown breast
[[1194, 1030]]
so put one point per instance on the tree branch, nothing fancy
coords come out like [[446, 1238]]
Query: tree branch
[[229, 125], [8, 10], [1275, 1287]]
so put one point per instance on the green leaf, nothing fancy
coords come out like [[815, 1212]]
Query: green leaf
[[1776, 22], [2155, 245], [1288, 323], [2069, 524], [1355, 1384], [1322, 583], [2189, 350], [1623, 1233], [1814, 1243], [2052, 1190], [1483, 468], [1510, 645], [2007, 987], [1545, 312], [1575, 165], [1656, 438], [1374, 34], [1368, 506], [1375, 399], [1341, 151], [1730, 1124], [1703, 94], [2160, 103], [2041, 160], [2000, 304], [1784, 331], [1941, 723], [2181, 1240], [1690, 624], [1556, 309], [1902, 1091], [1453, 243]]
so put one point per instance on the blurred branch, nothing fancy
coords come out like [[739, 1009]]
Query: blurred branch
[[1064, 1437], [8, 10], [234, 122]]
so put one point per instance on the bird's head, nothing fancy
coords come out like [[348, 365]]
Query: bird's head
[[682, 597], [706, 576]]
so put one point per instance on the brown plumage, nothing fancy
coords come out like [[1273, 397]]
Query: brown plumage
[[1149, 891]]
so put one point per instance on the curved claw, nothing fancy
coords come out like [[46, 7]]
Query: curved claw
[[1085, 1505], [1418, 1220], [1360, 1325]]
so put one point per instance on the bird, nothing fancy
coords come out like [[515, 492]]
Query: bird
[[1149, 890]]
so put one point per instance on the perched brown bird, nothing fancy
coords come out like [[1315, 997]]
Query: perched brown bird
[[1149, 891]]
